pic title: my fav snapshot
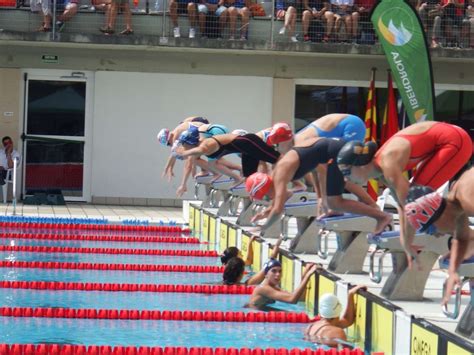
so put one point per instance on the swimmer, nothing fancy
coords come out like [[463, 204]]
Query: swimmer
[[330, 328], [301, 160], [427, 211], [250, 146], [235, 265], [269, 290], [438, 150], [335, 125]]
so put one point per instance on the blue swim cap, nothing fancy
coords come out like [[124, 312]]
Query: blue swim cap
[[270, 264], [190, 136]]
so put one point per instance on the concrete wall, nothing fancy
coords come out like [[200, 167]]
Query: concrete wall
[[11, 113], [130, 108]]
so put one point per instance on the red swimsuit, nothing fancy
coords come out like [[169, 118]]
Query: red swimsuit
[[441, 152]]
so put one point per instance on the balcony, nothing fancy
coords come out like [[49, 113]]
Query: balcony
[[153, 27]]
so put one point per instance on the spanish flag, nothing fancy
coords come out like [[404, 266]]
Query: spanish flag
[[390, 117], [371, 130]]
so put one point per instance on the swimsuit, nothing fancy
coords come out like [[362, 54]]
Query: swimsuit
[[441, 151], [252, 148], [351, 128], [323, 151], [214, 130]]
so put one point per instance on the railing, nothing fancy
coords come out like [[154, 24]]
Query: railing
[[173, 23]]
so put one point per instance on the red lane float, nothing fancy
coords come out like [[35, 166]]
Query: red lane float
[[111, 267], [68, 349], [90, 286], [133, 314], [101, 227], [170, 252], [102, 238]]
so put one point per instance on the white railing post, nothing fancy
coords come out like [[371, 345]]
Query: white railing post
[[15, 165]]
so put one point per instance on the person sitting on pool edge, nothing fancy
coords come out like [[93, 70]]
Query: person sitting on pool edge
[[235, 265], [269, 290], [329, 329]]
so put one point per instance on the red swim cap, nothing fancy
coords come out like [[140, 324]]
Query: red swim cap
[[281, 132], [258, 184]]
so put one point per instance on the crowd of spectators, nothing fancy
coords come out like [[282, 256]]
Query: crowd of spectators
[[447, 23]]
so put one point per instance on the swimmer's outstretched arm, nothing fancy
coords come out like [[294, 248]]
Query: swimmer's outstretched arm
[[287, 297], [349, 315], [187, 171], [168, 172], [459, 246]]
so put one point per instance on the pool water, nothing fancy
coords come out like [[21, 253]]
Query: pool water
[[152, 333]]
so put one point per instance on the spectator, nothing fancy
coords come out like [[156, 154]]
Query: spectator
[[343, 12], [314, 10], [453, 13], [212, 7], [181, 7], [363, 9], [467, 33], [7, 154], [329, 330], [430, 12], [239, 8], [109, 28], [68, 8], [286, 10]]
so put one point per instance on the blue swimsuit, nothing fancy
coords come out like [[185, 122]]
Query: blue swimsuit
[[351, 128]]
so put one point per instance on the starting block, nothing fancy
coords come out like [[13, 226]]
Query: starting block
[[465, 326], [220, 192], [351, 232], [204, 180], [306, 239], [238, 194], [403, 283]]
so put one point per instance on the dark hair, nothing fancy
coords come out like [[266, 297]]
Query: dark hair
[[234, 269], [229, 253], [5, 138]]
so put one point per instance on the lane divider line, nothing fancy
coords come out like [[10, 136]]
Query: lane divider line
[[116, 287], [111, 267], [103, 238], [136, 314], [162, 252]]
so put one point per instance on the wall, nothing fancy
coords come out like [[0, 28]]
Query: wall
[[10, 107], [130, 108]]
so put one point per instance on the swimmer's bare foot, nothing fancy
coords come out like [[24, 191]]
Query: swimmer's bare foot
[[203, 173], [238, 182], [298, 186], [383, 223]]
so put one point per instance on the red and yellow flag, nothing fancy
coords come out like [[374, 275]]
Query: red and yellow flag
[[390, 117], [371, 130]]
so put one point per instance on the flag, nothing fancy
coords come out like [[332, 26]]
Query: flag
[[390, 116], [371, 130], [403, 40]]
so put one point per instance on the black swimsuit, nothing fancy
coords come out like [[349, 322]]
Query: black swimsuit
[[252, 148], [323, 151]]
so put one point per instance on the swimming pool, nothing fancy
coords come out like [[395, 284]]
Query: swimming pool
[[54, 266]]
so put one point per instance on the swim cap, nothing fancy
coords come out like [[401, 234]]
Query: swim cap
[[229, 253], [257, 185], [280, 132], [200, 119], [190, 136], [356, 153], [329, 306], [423, 207], [240, 132], [270, 264], [163, 136]]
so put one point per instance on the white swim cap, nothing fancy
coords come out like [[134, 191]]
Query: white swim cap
[[329, 306]]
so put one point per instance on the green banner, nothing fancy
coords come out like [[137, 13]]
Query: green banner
[[401, 34]]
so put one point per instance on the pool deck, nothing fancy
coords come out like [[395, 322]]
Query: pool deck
[[112, 213]]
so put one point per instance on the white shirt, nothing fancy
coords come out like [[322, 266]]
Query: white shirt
[[342, 2], [4, 160]]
